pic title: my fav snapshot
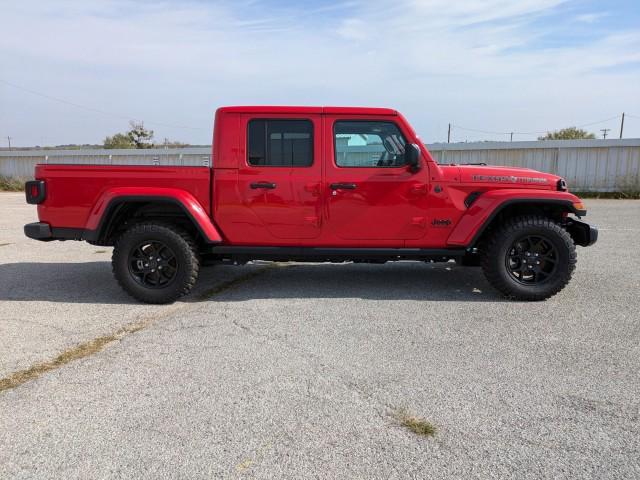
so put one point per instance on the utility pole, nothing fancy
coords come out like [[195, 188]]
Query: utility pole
[[449, 134], [9, 140], [511, 140], [604, 132], [621, 125]]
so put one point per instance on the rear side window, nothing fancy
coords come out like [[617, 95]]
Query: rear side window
[[368, 144], [280, 143]]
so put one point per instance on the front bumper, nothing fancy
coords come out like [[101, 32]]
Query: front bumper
[[38, 231], [582, 233]]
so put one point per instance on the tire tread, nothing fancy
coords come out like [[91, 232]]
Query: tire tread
[[494, 245], [162, 228]]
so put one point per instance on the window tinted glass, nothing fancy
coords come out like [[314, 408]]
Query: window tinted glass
[[368, 144], [280, 143]]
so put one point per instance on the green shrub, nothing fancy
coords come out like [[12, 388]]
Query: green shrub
[[11, 184]]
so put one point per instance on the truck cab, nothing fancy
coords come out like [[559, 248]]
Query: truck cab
[[315, 184]]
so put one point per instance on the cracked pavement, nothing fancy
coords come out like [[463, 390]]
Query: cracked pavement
[[295, 372]]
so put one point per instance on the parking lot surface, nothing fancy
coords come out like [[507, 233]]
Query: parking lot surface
[[299, 371]]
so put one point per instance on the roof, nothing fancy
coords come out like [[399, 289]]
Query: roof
[[309, 110]]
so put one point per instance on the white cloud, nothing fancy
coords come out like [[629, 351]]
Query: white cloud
[[477, 63], [591, 17]]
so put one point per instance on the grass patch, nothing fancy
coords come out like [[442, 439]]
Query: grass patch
[[11, 184], [630, 195], [79, 351], [415, 424]]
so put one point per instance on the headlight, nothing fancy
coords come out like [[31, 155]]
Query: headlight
[[561, 185]]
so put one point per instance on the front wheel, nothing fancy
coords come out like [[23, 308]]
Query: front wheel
[[155, 263], [529, 258]]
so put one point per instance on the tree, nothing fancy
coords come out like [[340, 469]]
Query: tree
[[570, 133], [136, 137], [140, 136], [119, 140]]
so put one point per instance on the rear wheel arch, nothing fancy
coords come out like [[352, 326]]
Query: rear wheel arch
[[122, 212]]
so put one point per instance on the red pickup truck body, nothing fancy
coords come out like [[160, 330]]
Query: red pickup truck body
[[321, 209]]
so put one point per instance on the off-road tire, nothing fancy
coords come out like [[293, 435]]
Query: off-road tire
[[181, 245], [500, 242]]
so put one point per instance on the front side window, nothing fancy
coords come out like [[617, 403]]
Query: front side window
[[280, 143], [368, 144]]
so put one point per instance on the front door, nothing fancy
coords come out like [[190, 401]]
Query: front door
[[372, 195], [279, 181]]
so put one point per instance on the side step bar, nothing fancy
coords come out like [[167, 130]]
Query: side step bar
[[325, 254]]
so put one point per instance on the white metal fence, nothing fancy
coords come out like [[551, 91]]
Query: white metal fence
[[587, 165], [21, 163]]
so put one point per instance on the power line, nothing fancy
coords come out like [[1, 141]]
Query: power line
[[533, 133], [599, 121], [91, 109]]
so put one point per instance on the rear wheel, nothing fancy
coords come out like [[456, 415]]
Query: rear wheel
[[155, 263], [529, 258]]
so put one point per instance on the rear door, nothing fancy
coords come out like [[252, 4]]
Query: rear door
[[372, 195], [279, 180]]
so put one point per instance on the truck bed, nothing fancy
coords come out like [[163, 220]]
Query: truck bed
[[75, 192]]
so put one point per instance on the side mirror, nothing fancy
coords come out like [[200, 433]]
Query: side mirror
[[412, 157]]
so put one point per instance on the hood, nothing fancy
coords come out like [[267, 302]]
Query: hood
[[507, 176]]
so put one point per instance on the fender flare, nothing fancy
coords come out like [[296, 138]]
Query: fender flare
[[98, 219], [488, 205]]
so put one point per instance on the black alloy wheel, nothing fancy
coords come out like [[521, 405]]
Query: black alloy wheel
[[532, 260], [153, 264]]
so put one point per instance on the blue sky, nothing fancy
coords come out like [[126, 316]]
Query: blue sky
[[495, 65]]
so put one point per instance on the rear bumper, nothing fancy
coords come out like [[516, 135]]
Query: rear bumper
[[44, 232], [582, 233], [38, 231]]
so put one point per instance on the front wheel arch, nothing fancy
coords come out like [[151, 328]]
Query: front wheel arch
[[552, 209]]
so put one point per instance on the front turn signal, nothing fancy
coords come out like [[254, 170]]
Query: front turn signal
[[579, 206]]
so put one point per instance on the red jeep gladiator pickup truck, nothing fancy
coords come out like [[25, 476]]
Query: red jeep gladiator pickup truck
[[321, 184]]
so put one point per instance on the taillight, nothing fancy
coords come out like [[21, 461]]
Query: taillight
[[35, 191]]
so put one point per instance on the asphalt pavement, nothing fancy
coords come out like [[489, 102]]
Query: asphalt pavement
[[299, 370]]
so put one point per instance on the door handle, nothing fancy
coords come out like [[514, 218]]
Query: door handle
[[343, 186], [267, 185]]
